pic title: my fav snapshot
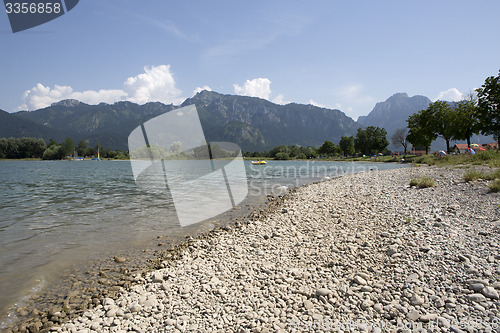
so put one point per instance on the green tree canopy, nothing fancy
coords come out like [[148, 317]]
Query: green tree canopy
[[327, 149], [82, 149], [371, 140], [421, 131], [466, 121], [488, 106], [68, 147], [442, 121], [346, 145]]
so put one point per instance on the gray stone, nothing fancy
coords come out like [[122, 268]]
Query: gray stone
[[490, 292], [413, 315], [367, 304], [308, 304], [416, 300], [476, 298], [359, 280], [323, 292], [428, 317], [157, 277], [476, 287], [392, 250]]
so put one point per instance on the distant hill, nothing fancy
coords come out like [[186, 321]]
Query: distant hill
[[13, 126], [257, 124], [253, 123], [393, 113], [108, 124]]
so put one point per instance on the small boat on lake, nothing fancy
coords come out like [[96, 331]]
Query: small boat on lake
[[259, 162]]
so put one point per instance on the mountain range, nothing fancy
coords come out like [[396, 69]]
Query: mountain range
[[253, 123]]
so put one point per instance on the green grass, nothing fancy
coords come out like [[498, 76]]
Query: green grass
[[475, 175], [386, 159], [495, 186], [488, 157], [423, 182]]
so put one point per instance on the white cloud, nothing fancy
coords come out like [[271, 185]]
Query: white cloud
[[260, 87], [40, 96], [450, 95], [314, 103], [156, 84], [200, 89], [280, 99]]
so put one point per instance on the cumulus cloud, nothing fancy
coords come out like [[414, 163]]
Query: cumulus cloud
[[156, 84], [200, 89], [280, 99], [260, 87], [40, 96], [314, 103], [451, 95]]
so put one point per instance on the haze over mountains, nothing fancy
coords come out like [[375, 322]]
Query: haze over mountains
[[253, 123]]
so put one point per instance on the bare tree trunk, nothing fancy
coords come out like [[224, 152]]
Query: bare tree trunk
[[447, 146]]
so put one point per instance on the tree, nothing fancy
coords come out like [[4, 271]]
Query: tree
[[399, 138], [82, 149], [279, 149], [466, 122], [54, 152], [68, 147], [488, 107], [439, 119], [346, 145], [442, 121], [311, 152], [421, 132], [282, 156], [371, 140], [328, 148]]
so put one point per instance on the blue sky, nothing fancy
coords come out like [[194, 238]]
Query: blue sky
[[339, 54]]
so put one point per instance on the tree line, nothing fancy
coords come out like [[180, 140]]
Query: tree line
[[477, 113], [19, 148], [368, 141]]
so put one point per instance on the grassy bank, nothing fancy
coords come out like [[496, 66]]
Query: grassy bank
[[489, 158]]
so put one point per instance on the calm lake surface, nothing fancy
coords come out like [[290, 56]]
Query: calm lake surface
[[60, 212]]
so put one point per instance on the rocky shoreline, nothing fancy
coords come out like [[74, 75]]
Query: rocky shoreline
[[361, 253]]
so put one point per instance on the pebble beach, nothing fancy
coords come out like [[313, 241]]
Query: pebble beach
[[359, 253]]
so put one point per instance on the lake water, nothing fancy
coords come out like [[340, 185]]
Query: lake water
[[57, 212]]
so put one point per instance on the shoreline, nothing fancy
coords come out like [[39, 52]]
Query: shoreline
[[77, 288], [311, 303]]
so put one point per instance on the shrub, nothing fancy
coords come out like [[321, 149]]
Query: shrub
[[495, 186], [426, 182], [473, 175], [423, 182], [485, 155]]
